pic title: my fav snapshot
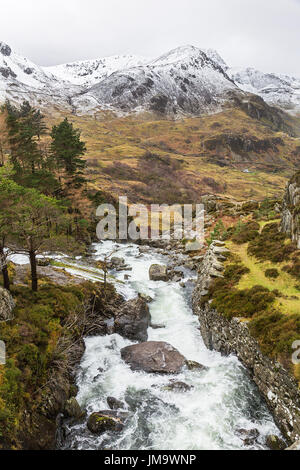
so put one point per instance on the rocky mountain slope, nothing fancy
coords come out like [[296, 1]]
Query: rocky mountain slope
[[290, 222], [276, 89], [184, 81], [21, 79]]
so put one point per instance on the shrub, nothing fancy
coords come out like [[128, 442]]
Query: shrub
[[31, 341], [219, 233], [272, 273], [242, 302], [294, 269], [271, 245], [276, 333], [244, 233]]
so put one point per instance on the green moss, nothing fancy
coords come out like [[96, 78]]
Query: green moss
[[31, 340]]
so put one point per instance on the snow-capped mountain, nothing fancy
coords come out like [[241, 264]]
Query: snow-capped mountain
[[21, 79], [186, 80], [90, 72], [276, 89]]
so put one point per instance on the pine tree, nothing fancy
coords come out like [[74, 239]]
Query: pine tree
[[25, 127], [67, 148]]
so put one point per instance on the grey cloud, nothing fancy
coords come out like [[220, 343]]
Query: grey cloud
[[264, 34]]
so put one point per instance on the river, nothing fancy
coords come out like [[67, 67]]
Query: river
[[223, 398]]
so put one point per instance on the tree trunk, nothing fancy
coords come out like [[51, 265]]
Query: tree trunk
[[6, 283], [34, 278]]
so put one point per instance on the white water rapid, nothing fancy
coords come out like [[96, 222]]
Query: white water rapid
[[222, 400]]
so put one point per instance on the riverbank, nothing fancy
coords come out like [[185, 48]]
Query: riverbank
[[232, 336], [217, 408]]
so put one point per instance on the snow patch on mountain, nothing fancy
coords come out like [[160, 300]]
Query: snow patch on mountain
[[186, 80], [183, 81], [276, 89], [90, 72]]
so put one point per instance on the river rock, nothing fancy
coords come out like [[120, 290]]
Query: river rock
[[154, 357], [274, 442], [133, 320], [193, 365], [147, 298], [158, 272], [116, 262], [178, 387], [115, 404], [7, 304], [249, 436], [73, 409], [108, 420], [294, 446], [43, 261], [157, 326]]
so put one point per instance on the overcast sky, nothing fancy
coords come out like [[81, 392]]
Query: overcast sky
[[260, 33]]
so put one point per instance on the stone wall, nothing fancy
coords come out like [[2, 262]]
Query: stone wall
[[277, 386]]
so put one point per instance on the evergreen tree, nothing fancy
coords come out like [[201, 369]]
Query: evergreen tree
[[67, 148], [8, 199], [25, 127]]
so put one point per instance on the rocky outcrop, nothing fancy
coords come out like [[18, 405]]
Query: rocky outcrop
[[102, 421], [5, 49], [73, 409], [158, 272], [133, 320], [290, 221], [274, 442], [154, 357], [7, 305], [277, 386]]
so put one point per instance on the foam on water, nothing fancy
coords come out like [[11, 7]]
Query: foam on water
[[222, 399]]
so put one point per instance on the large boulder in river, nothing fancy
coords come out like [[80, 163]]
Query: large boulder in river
[[7, 305], [153, 356], [133, 320], [158, 272], [103, 421], [73, 409]]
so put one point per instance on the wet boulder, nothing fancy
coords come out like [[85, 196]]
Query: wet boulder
[[7, 305], [194, 365], [249, 436], [117, 262], [146, 401], [158, 272], [173, 386], [108, 420], [73, 409], [43, 261], [133, 320], [154, 357], [114, 403], [146, 297]]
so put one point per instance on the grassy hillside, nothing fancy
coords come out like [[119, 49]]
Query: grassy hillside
[[149, 160], [261, 285]]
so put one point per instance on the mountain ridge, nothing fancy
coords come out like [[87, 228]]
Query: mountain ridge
[[184, 81]]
